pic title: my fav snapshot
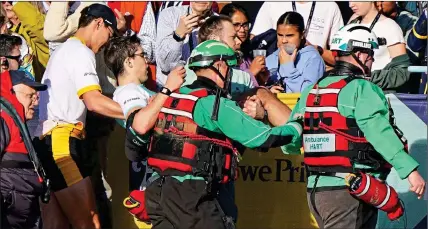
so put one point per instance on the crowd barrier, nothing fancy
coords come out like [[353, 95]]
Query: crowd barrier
[[271, 188], [417, 69]]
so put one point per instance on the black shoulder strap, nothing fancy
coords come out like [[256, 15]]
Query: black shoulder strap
[[311, 14], [375, 20], [350, 78], [8, 108], [5, 129]]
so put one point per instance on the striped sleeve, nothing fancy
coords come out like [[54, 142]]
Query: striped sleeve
[[147, 33], [168, 50]]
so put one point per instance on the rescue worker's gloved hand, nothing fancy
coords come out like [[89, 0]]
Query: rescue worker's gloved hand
[[135, 203]]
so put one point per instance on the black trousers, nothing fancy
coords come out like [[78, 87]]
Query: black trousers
[[20, 191], [172, 204]]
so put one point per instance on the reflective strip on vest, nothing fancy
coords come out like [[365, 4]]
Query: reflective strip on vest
[[322, 109], [325, 91], [177, 112], [182, 96]]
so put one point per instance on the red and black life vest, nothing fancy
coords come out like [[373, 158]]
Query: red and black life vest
[[16, 144], [332, 142], [180, 146]]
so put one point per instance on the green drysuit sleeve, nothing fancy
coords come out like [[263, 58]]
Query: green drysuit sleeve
[[366, 103], [240, 127]]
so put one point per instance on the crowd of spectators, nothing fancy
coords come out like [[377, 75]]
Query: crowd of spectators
[[283, 46]]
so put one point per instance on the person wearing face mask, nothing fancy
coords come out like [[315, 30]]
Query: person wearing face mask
[[177, 35], [73, 89], [293, 66], [20, 180], [191, 150], [391, 61], [349, 134]]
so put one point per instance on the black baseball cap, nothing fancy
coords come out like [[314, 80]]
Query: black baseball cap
[[104, 12], [20, 77]]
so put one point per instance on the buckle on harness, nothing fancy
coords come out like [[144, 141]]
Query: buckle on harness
[[174, 103], [171, 123], [361, 155], [365, 159], [317, 97], [317, 100], [206, 166]]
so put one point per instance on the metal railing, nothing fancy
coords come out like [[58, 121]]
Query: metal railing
[[417, 69]]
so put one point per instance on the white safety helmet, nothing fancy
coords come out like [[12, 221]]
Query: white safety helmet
[[352, 37]]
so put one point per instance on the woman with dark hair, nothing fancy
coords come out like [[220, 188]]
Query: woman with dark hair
[[242, 26], [293, 66]]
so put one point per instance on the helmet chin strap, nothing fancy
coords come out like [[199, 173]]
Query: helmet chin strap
[[220, 92], [226, 80], [367, 72]]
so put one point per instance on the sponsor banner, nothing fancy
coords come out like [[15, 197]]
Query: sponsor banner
[[271, 191], [271, 188]]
